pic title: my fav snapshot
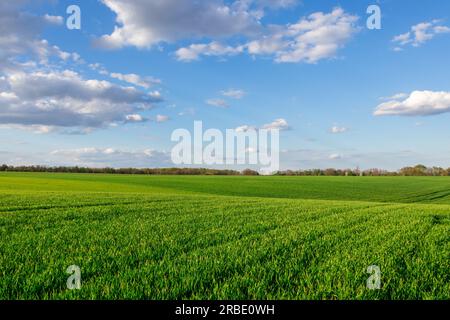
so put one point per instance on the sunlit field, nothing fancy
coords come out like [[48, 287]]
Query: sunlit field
[[232, 237]]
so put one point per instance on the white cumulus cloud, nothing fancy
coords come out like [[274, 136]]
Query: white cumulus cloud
[[280, 124], [135, 79], [65, 99], [147, 23], [234, 93], [316, 37], [245, 128], [58, 20], [40, 92], [419, 34], [337, 129], [162, 118], [220, 103], [418, 103], [335, 156], [194, 51], [134, 118]]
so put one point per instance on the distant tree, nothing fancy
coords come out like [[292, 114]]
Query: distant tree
[[249, 172], [438, 171]]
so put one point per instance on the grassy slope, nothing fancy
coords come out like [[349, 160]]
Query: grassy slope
[[185, 237], [378, 189]]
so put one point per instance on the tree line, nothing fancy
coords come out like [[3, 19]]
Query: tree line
[[149, 171], [419, 170]]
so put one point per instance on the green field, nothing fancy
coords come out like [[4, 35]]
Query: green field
[[212, 237]]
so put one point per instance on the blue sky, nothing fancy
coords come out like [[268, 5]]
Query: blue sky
[[112, 93]]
